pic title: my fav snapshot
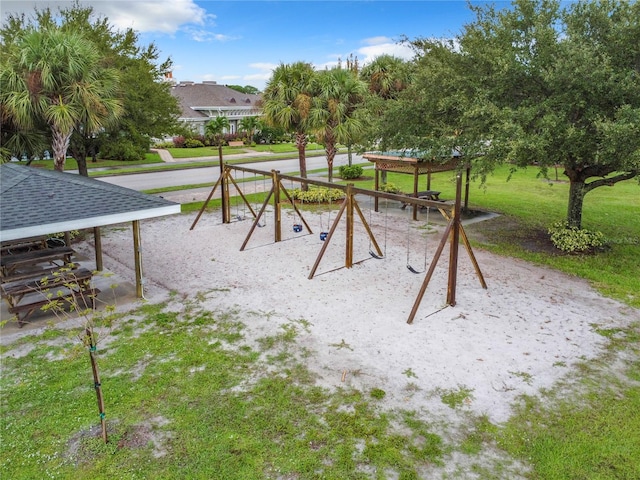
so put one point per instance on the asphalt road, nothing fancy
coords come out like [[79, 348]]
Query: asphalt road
[[193, 176]]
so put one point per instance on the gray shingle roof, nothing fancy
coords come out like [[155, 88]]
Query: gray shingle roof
[[35, 202], [210, 96]]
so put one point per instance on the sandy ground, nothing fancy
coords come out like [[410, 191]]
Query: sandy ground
[[521, 334]]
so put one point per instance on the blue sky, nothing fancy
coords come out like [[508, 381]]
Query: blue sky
[[240, 42]]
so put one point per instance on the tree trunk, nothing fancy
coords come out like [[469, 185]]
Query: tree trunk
[[59, 144], [330, 150], [90, 340], [576, 199], [301, 144], [82, 166], [349, 159]]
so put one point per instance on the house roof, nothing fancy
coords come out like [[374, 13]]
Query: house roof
[[40, 202], [194, 97]]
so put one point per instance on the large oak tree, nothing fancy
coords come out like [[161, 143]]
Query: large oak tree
[[534, 83]]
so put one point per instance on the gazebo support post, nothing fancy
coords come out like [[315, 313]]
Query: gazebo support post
[[137, 253], [466, 189], [97, 241], [416, 176], [376, 188]]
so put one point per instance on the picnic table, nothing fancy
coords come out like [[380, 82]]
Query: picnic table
[[13, 267], [425, 195], [72, 286], [9, 247]]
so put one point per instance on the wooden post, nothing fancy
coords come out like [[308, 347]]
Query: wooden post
[[454, 246], [466, 189], [97, 241], [349, 240], [416, 176], [376, 187], [277, 223], [137, 253], [223, 180]]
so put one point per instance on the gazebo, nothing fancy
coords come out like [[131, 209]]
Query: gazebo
[[416, 164], [36, 202]]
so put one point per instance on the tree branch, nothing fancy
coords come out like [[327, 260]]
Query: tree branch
[[610, 181]]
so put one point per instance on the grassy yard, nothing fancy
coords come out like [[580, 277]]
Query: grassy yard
[[529, 205], [213, 151], [71, 164], [188, 398]]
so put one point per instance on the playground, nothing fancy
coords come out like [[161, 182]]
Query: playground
[[521, 334]]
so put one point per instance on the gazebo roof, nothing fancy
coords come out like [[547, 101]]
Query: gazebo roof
[[38, 202]]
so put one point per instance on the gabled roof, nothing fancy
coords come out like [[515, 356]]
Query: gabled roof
[[37, 202], [210, 96]]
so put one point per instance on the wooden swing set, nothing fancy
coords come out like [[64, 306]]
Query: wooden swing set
[[453, 232]]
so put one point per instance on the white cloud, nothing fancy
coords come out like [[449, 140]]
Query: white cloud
[[370, 53], [201, 35], [377, 40], [165, 16], [264, 66]]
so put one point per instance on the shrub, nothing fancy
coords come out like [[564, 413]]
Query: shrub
[[178, 142], [348, 172], [193, 143], [390, 188], [164, 145], [123, 149], [317, 195], [574, 240]]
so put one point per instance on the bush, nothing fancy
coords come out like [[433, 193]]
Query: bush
[[164, 145], [390, 188], [575, 240], [178, 142], [348, 172], [123, 149], [193, 143], [317, 195]]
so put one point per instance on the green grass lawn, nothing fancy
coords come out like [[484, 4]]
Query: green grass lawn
[[187, 399], [529, 205], [213, 151], [71, 164]]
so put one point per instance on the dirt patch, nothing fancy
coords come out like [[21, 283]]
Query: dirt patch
[[87, 445], [495, 230]]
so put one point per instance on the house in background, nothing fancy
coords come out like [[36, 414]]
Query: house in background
[[200, 102]]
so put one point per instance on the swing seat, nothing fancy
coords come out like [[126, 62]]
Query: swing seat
[[297, 227], [413, 270], [323, 235]]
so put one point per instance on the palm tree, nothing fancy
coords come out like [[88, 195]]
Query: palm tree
[[287, 103], [386, 75], [250, 125], [56, 77], [215, 128], [338, 94]]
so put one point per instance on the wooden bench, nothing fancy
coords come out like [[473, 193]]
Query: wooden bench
[[24, 244], [70, 286], [9, 264], [425, 195]]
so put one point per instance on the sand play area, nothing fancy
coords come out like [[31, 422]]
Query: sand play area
[[523, 333]]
